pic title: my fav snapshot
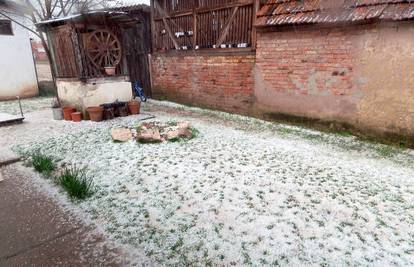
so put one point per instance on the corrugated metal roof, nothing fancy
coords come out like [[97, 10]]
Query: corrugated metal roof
[[288, 12]]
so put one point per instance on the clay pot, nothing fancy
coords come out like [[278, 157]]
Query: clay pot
[[67, 111], [110, 71], [76, 116], [134, 107], [95, 113]]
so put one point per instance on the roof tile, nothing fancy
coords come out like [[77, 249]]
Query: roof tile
[[288, 12]]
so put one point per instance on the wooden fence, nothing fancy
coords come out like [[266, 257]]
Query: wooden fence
[[203, 24]]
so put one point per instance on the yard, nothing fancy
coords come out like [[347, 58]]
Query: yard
[[243, 192]]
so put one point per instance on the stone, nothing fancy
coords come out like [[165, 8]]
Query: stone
[[121, 134], [174, 134], [184, 124], [149, 135], [1, 177], [185, 132]]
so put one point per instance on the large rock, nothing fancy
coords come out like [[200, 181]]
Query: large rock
[[121, 134], [151, 135]]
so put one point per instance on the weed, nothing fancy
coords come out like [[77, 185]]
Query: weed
[[386, 151], [42, 163], [74, 181], [194, 132]]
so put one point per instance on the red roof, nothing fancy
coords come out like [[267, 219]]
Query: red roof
[[292, 12]]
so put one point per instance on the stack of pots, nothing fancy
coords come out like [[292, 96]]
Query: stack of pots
[[70, 114], [67, 113]]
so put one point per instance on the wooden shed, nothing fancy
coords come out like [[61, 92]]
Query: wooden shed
[[90, 54]]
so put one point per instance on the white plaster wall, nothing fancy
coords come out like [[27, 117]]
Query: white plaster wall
[[88, 94], [17, 70]]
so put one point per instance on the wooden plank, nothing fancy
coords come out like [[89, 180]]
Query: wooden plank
[[227, 26], [167, 27], [256, 7], [194, 30], [77, 53], [153, 32]]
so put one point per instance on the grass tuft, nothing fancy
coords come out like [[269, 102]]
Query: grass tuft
[[42, 163], [386, 151], [194, 132], [75, 182]]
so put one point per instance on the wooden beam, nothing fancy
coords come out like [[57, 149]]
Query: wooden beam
[[153, 34], [77, 52], [170, 34], [256, 7], [225, 31], [194, 30], [241, 3], [167, 27]]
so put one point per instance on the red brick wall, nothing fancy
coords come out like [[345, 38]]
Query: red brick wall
[[307, 72], [38, 51], [313, 62], [357, 75], [214, 81]]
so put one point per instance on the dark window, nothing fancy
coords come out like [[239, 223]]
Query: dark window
[[5, 27]]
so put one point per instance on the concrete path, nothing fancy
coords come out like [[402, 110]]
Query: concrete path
[[36, 230]]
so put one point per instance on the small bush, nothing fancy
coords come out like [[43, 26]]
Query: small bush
[[42, 163], [75, 182]]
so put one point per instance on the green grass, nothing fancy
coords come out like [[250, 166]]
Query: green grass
[[194, 132], [386, 151], [75, 182], [42, 163]]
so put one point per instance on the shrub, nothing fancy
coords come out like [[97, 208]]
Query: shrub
[[75, 182], [42, 163]]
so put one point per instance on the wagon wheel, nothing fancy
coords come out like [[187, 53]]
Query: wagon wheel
[[103, 49]]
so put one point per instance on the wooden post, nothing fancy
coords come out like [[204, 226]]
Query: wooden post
[[256, 7], [194, 29], [153, 34], [77, 52]]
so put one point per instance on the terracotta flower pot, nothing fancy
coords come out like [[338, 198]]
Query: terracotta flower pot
[[134, 107], [67, 111], [76, 116], [95, 113], [110, 71]]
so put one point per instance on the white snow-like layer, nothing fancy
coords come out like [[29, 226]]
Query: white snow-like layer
[[28, 105], [243, 197]]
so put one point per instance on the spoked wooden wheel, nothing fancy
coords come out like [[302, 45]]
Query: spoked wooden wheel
[[104, 49]]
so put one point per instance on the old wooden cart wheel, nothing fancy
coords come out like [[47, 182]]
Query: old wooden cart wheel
[[103, 49]]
